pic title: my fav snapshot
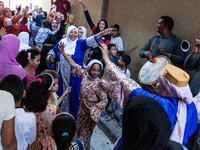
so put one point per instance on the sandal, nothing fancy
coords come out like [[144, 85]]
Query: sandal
[[104, 113], [108, 118], [119, 126]]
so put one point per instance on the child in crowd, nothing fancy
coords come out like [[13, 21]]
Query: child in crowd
[[113, 56], [92, 99], [71, 21], [43, 33], [36, 101], [63, 130], [112, 53], [52, 95], [29, 60], [116, 39], [25, 122], [123, 62]]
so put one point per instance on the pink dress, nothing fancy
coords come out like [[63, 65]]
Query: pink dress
[[44, 119], [92, 101], [29, 79]]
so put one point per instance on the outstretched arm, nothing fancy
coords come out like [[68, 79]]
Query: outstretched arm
[[104, 51], [61, 50]]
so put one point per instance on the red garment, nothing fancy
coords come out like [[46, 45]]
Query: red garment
[[63, 7], [24, 28], [15, 28]]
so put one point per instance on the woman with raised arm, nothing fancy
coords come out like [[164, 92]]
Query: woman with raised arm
[[75, 48], [95, 53]]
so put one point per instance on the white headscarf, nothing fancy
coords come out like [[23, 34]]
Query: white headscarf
[[70, 45], [24, 40], [84, 32], [94, 61]]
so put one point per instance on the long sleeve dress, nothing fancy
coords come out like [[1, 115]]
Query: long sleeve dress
[[120, 89], [71, 102], [92, 101]]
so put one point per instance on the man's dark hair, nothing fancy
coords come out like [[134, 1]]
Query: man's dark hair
[[168, 21], [110, 45], [126, 58], [14, 85], [46, 23]]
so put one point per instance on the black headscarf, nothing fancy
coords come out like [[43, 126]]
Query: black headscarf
[[146, 125], [97, 29], [45, 13]]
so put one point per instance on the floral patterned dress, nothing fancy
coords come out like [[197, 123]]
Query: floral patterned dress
[[92, 101], [44, 119]]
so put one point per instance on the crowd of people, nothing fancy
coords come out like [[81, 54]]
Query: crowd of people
[[51, 100]]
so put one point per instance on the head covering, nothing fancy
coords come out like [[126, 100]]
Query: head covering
[[146, 125], [97, 29], [70, 45], [38, 20], [9, 46], [45, 13], [4, 11], [51, 24], [94, 61], [174, 81], [24, 41], [68, 24], [84, 32]]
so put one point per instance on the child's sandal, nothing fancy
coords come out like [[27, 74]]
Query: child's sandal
[[108, 118]]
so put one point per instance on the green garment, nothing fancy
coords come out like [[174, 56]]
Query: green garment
[[68, 24]]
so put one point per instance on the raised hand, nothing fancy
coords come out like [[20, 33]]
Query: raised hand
[[104, 50], [2, 32], [104, 32], [61, 48], [196, 49], [82, 4]]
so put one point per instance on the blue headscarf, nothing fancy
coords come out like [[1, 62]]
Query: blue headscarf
[[38, 20]]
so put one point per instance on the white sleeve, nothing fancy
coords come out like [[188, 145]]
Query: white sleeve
[[32, 133], [9, 107], [128, 73], [120, 44]]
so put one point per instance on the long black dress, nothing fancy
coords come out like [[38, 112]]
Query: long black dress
[[49, 43]]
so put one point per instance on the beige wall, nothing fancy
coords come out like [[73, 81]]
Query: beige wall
[[138, 20]]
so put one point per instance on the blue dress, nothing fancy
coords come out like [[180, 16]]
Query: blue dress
[[74, 82], [170, 105]]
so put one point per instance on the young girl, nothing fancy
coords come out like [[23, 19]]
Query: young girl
[[52, 95], [92, 99], [36, 102], [116, 39], [63, 130], [29, 60]]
